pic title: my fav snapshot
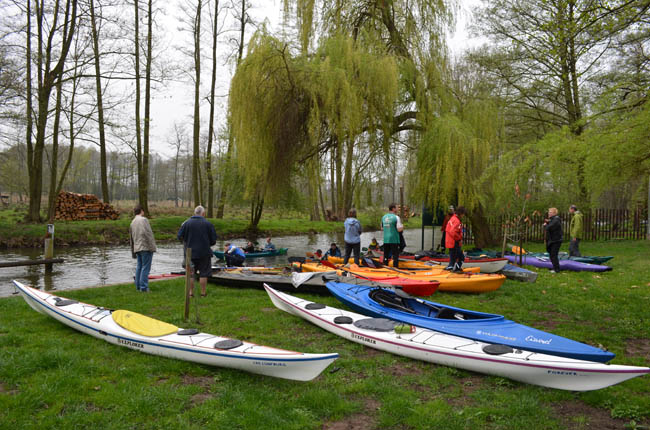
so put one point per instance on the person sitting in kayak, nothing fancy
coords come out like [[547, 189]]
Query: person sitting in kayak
[[334, 251], [318, 254], [269, 246], [374, 246], [234, 256], [249, 247]]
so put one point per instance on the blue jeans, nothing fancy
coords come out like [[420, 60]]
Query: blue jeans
[[142, 269]]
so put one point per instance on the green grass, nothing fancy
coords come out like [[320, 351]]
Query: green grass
[[54, 377]]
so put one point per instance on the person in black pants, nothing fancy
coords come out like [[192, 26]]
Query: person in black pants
[[553, 228]]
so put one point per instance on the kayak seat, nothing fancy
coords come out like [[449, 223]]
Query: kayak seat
[[142, 324], [389, 300]]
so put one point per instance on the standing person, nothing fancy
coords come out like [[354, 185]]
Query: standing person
[[199, 235], [553, 228], [392, 226], [234, 255], [454, 240], [352, 237], [443, 228], [143, 245], [575, 230]]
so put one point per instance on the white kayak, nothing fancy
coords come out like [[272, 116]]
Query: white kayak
[[169, 341], [427, 345]]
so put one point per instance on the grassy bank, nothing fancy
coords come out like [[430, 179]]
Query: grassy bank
[[165, 224], [54, 377]]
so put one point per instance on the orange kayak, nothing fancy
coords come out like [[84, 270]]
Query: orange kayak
[[449, 281]]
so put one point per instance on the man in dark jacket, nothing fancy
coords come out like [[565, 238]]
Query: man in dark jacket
[[553, 228], [199, 235]]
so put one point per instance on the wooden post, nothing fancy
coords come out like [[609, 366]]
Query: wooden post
[[188, 279], [505, 236], [422, 218], [49, 246]]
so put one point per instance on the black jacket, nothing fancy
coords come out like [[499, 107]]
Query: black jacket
[[199, 234], [554, 230]]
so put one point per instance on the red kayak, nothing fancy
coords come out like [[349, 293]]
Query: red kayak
[[415, 287]]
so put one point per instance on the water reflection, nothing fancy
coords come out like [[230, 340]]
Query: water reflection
[[91, 266]]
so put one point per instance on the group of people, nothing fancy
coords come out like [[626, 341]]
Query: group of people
[[199, 235], [554, 235]]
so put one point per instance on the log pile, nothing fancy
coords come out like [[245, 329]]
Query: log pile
[[76, 207]]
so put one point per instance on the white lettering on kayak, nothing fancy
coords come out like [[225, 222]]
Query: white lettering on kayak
[[485, 333], [534, 339]]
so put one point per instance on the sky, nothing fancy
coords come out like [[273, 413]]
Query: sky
[[175, 103]]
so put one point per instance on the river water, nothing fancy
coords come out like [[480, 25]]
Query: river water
[[94, 266]]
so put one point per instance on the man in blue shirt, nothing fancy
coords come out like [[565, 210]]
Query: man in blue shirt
[[234, 255], [352, 237], [198, 234], [269, 246]]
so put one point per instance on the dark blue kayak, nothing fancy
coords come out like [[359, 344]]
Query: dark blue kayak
[[280, 251], [490, 328]]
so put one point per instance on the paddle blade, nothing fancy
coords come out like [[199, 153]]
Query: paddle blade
[[328, 264]]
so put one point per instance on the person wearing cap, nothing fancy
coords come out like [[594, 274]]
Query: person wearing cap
[[575, 231], [450, 213]]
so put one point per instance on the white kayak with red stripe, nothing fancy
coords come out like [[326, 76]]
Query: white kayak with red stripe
[[428, 345], [159, 338]]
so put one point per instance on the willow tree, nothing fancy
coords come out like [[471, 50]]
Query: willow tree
[[288, 107]]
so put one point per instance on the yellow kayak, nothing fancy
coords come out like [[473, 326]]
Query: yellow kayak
[[449, 281]]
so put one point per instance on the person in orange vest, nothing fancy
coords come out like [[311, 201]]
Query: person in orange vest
[[450, 213], [454, 240]]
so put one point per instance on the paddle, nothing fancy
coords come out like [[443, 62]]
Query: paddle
[[377, 263]]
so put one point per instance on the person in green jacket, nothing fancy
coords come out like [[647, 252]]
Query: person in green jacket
[[392, 226], [575, 231]]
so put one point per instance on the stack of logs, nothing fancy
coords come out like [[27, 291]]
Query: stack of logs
[[75, 207]]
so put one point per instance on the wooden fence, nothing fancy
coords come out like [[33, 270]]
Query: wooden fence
[[598, 224]]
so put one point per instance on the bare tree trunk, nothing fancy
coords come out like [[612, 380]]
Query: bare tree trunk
[[147, 111], [28, 80], [68, 161], [243, 20], [47, 78], [208, 158], [100, 105], [138, 131], [51, 200], [197, 87]]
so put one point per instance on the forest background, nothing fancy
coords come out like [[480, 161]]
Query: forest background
[[340, 106]]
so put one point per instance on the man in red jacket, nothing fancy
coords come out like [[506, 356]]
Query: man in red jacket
[[454, 240]]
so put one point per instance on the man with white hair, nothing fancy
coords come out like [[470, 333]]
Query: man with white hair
[[198, 234]]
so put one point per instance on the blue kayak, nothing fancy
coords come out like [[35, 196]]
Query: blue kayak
[[270, 253], [490, 328]]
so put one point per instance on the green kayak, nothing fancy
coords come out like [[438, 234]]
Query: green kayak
[[279, 251]]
